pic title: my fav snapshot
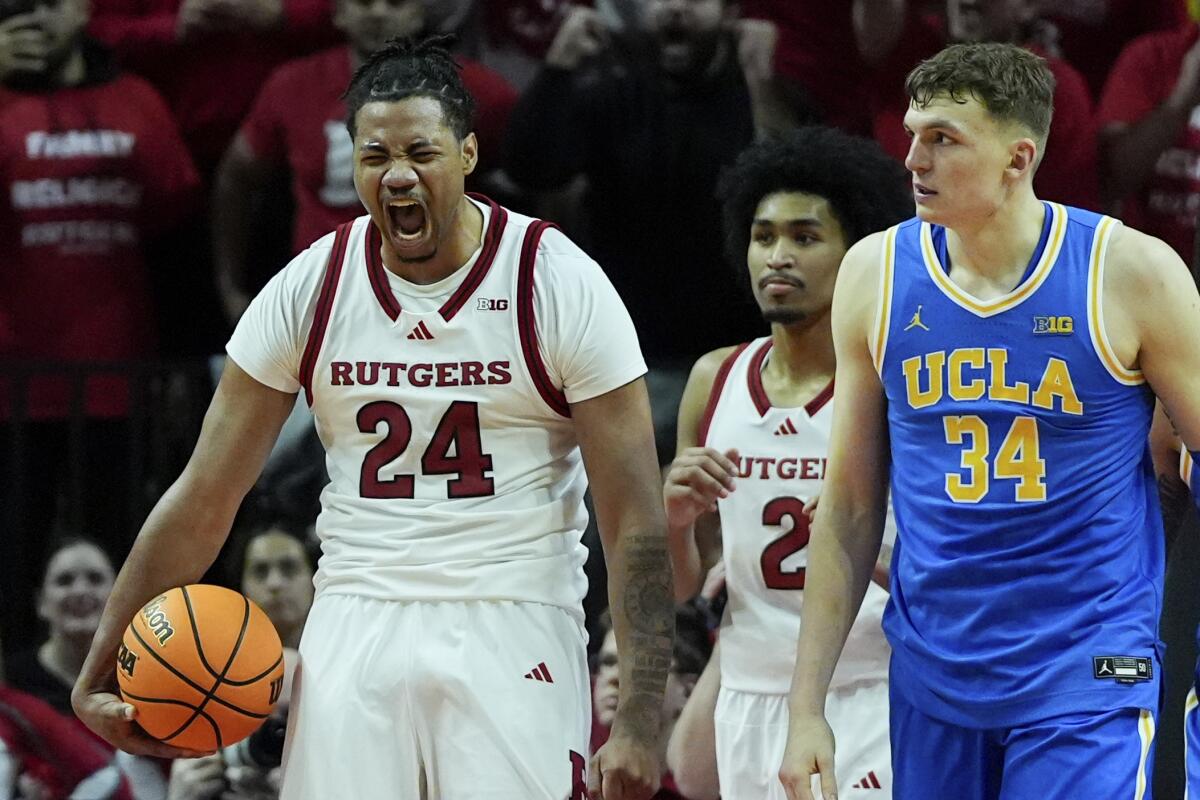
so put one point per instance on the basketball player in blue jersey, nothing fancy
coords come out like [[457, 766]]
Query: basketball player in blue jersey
[[997, 359], [463, 362]]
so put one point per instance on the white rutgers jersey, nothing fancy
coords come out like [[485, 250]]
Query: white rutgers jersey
[[454, 468], [765, 533]]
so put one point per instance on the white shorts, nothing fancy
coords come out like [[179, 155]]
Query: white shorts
[[438, 701], [751, 732]]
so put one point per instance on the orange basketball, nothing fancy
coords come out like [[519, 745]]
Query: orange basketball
[[203, 666]]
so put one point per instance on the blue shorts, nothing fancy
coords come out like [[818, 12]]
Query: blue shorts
[[1191, 735], [1090, 756]]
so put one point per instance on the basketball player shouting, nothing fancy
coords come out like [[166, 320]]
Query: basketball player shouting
[[1027, 575], [753, 436], [463, 364]]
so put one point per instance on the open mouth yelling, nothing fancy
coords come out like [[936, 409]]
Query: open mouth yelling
[[409, 221]]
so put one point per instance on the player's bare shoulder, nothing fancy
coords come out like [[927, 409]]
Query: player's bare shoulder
[[1137, 262], [856, 295]]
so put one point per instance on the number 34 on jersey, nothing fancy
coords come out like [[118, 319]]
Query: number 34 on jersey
[[973, 374]]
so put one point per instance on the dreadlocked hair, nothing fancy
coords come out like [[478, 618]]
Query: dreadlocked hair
[[407, 67]]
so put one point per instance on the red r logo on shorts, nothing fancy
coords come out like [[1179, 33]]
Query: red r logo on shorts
[[578, 777]]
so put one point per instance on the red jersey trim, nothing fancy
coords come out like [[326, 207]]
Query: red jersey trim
[[377, 276], [754, 379], [316, 334], [714, 394], [487, 254], [491, 244], [817, 403], [527, 324]]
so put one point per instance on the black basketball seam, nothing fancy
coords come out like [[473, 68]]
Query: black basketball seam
[[187, 601], [166, 701], [188, 680], [199, 710], [257, 677]]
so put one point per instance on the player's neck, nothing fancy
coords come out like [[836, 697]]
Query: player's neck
[[802, 351], [465, 238], [1001, 244]]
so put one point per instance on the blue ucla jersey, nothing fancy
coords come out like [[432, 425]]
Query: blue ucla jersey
[[1026, 580]]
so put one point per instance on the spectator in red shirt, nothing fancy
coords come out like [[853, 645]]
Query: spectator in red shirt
[[1092, 33], [1150, 135], [1069, 171], [93, 169], [209, 57], [298, 123]]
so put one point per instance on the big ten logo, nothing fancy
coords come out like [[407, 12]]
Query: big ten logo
[[126, 659], [157, 621], [492, 304], [276, 689], [1062, 325]]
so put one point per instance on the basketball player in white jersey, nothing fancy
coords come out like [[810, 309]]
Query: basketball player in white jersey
[[463, 364], [753, 432]]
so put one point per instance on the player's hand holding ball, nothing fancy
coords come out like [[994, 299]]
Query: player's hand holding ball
[[200, 667], [696, 479]]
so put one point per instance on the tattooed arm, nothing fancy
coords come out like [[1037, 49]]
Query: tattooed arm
[[616, 437], [1173, 493]]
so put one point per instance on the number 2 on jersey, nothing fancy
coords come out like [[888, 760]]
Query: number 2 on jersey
[[791, 541], [458, 430], [1018, 459]]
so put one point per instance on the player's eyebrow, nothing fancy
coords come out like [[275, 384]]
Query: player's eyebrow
[[798, 221]]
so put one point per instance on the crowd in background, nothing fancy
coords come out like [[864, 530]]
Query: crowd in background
[[161, 159]]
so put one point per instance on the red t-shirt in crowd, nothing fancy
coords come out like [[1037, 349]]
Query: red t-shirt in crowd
[[1069, 171], [54, 750], [817, 49], [311, 138], [208, 82], [1092, 33], [89, 173], [1143, 77]]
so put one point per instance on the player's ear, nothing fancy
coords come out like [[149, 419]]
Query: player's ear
[[470, 153], [1023, 157]]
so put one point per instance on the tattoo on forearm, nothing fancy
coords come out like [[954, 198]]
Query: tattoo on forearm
[[649, 614]]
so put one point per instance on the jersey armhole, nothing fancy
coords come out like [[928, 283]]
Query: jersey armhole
[[553, 396], [1095, 295], [714, 394], [883, 311], [316, 334]]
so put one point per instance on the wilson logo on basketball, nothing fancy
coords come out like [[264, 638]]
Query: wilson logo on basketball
[[157, 620], [276, 689]]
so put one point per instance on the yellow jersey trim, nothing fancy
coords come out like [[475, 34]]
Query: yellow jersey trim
[[1146, 732], [1185, 466], [883, 314], [1108, 357], [989, 308]]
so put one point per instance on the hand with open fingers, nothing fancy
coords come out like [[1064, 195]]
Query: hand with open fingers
[[113, 720], [696, 479], [809, 752], [581, 35], [756, 42], [624, 769], [23, 46]]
